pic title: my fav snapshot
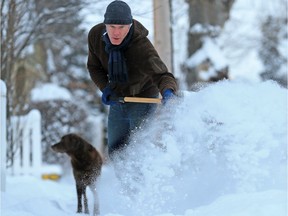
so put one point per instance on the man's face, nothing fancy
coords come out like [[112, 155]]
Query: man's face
[[117, 33]]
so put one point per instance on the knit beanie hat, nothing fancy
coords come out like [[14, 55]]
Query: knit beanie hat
[[118, 13]]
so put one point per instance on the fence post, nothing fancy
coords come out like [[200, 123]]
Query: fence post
[[35, 122], [3, 136]]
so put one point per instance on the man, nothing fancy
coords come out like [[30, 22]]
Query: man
[[123, 62]]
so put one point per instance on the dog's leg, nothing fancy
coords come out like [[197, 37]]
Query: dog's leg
[[96, 210], [79, 190], [86, 210]]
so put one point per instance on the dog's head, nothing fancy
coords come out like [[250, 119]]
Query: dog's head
[[69, 143]]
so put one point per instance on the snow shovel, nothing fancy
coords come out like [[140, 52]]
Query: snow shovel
[[136, 100]]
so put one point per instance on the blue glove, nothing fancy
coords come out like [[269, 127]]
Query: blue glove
[[167, 95], [106, 94]]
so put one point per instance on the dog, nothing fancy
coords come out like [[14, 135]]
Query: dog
[[86, 163]]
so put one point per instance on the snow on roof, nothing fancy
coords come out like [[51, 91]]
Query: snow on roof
[[50, 91]]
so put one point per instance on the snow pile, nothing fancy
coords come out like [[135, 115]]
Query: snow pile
[[228, 138], [266, 203], [221, 151]]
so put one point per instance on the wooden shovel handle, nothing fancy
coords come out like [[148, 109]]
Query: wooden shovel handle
[[142, 100]]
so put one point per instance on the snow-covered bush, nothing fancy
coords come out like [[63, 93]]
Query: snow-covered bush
[[59, 117]]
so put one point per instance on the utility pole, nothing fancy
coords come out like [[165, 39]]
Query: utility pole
[[162, 31]]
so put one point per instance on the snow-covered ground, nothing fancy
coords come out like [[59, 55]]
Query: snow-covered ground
[[221, 151]]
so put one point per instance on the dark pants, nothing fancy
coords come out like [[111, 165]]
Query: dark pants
[[122, 119]]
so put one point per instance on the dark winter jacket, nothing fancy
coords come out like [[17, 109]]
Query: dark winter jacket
[[147, 73]]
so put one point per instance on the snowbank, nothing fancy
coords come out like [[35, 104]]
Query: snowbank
[[221, 151], [230, 137]]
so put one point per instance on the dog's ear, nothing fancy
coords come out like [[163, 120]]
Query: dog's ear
[[76, 142], [90, 148]]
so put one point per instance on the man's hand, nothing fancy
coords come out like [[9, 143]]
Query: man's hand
[[167, 95], [106, 94]]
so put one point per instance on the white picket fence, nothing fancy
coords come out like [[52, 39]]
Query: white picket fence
[[27, 144], [27, 158]]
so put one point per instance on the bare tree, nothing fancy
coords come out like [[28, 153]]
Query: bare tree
[[206, 13], [23, 24], [206, 19], [273, 59]]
